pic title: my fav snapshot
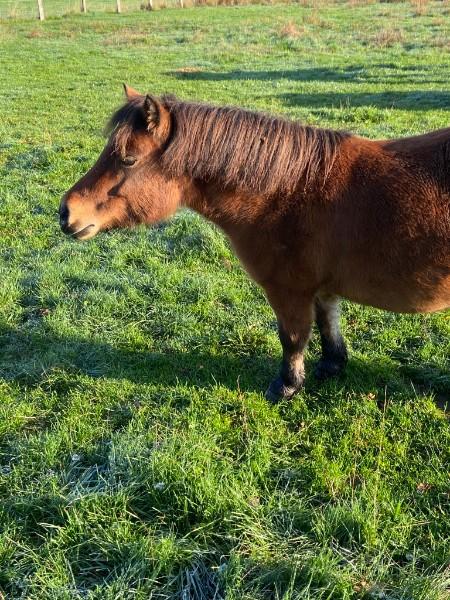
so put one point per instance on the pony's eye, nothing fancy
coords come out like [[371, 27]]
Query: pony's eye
[[128, 161]]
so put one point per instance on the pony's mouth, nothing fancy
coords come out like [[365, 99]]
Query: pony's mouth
[[84, 232]]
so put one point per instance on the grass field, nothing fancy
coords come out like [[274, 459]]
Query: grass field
[[138, 456]]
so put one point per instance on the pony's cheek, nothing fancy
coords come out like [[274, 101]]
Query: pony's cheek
[[147, 200], [111, 211]]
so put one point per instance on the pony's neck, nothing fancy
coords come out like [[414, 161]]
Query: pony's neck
[[223, 207]]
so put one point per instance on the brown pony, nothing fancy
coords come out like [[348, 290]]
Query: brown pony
[[314, 215]]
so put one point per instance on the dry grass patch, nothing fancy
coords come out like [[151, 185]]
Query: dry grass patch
[[441, 41], [290, 30], [316, 20], [386, 38], [420, 7], [189, 70], [355, 3], [198, 37], [35, 33], [126, 37]]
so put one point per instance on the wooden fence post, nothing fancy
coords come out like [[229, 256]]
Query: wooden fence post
[[83, 6], [181, 3], [40, 10], [118, 6]]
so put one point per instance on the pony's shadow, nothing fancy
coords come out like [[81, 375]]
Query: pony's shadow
[[27, 358]]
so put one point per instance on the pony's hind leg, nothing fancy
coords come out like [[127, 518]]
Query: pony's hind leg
[[334, 353], [294, 329]]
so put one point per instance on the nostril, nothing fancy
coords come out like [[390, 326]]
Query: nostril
[[63, 215]]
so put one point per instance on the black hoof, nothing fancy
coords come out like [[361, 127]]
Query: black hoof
[[278, 390], [326, 368]]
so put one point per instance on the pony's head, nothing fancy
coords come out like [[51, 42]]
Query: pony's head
[[126, 186]]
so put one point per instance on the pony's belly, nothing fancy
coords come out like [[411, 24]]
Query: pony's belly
[[440, 301], [401, 297]]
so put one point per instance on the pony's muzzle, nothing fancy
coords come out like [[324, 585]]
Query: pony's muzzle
[[73, 225]]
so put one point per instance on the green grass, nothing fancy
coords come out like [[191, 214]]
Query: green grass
[[138, 457]]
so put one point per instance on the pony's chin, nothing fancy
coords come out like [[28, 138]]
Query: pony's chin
[[86, 233]]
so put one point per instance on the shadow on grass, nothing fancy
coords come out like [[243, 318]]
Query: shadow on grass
[[30, 159], [380, 73], [403, 100], [27, 357]]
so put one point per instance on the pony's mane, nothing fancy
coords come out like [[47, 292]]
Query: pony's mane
[[237, 148]]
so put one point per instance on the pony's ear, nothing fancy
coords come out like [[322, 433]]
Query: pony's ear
[[157, 117], [130, 92]]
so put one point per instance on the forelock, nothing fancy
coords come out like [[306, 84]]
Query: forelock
[[128, 119]]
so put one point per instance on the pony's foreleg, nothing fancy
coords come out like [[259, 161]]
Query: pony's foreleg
[[334, 352], [294, 329]]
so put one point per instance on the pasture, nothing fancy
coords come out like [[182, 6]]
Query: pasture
[[138, 456]]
